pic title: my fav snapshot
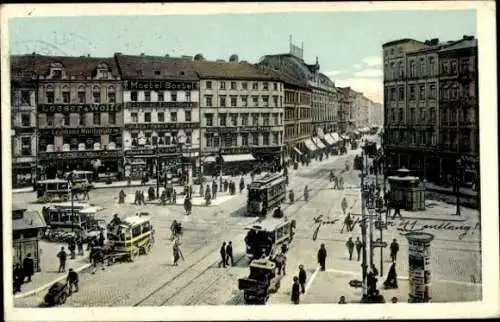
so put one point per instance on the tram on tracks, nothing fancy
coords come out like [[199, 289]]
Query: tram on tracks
[[265, 194]]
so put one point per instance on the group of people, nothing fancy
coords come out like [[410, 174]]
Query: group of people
[[299, 281], [22, 274], [226, 253], [338, 181]]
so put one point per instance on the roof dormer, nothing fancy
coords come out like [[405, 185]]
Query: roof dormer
[[56, 70], [102, 71]]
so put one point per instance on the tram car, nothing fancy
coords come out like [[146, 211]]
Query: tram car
[[267, 238], [265, 194]]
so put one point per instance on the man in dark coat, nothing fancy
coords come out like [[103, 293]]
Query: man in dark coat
[[72, 281], [101, 238], [28, 267], [322, 256], [394, 249], [302, 278], [295, 291], [18, 278], [391, 281], [350, 247], [62, 260], [214, 189], [359, 246], [242, 184], [229, 253], [72, 247], [223, 255]]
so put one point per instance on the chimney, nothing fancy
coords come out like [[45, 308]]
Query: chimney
[[88, 55], [167, 55], [142, 54], [34, 53]]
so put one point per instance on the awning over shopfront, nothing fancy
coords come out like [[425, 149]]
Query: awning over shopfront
[[329, 139], [209, 159], [310, 145], [190, 155], [345, 137], [238, 157], [318, 142], [320, 133], [297, 151]]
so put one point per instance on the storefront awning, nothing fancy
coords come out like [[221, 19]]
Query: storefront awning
[[345, 137], [335, 136], [320, 133], [190, 155], [310, 145], [238, 157], [209, 159], [318, 142], [297, 151], [329, 139]]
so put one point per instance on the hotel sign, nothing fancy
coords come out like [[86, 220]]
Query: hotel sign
[[184, 105], [81, 131], [161, 126], [79, 108], [160, 85]]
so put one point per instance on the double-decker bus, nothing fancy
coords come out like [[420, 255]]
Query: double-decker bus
[[265, 194]]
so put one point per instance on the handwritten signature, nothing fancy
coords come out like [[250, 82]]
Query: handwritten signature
[[404, 227]]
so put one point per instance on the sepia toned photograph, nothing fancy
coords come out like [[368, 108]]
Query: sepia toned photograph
[[240, 160]]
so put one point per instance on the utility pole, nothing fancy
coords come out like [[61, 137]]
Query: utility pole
[[157, 171], [363, 228]]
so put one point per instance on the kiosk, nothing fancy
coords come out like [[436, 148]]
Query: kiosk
[[408, 191]]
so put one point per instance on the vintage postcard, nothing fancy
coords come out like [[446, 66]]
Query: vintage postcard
[[230, 161]]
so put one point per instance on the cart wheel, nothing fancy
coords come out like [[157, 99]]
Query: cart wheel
[[62, 298]]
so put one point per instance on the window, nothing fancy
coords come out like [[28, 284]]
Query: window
[[222, 120], [432, 91], [147, 117], [244, 139], [265, 86], [432, 66], [147, 96], [265, 99], [97, 94], [412, 115], [208, 84], [25, 98], [161, 117], [112, 117], [445, 68], [133, 96], [422, 67], [255, 100], [255, 119], [66, 95], [173, 116], [244, 119], [25, 145], [234, 119], [421, 94], [275, 100], [401, 70], [275, 138], [454, 92], [412, 92], [275, 86], [222, 101], [97, 118], [50, 95], [244, 85], [401, 93], [216, 141], [393, 115], [81, 119], [187, 116], [393, 70], [233, 85], [209, 118], [233, 100], [255, 86], [173, 97], [209, 137], [50, 119], [275, 119], [81, 94], [413, 69], [423, 116], [188, 96], [265, 139], [222, 85], [453, 66], [255, 139], [401, 114], [161, 97], [134, 117], [111, 95], [464, 65], [265, 119], [66, 119], [393, 94], [25, 119], [208, 100], [244, 100]]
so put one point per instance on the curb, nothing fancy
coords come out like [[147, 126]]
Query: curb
[[41, 288]]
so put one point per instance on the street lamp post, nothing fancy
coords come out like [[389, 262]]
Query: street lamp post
[[157, 171], [457, 182], [363, 227]]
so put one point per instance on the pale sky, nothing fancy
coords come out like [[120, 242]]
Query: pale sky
[[348, 44]]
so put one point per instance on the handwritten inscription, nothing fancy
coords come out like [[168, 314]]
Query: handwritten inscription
[[404, 227]]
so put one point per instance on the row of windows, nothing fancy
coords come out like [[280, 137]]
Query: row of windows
[[297, 98], [160, 117], [83, 120], [244, 101], [403, 137], [398, 115], [231, 140], [159, 138], [457, 115], [21, 98], [426, 67], [67, 98], [450, 67], [233, 85], [160, 96], [75, 142], [277, 119], [412, 92]]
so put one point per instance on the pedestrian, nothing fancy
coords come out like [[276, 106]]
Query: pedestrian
[[341, 183], [72, 281], [350, 247], [18, 278], [302, 278], [335, 183], [242, 184], [96, 256], [143, 199], [347, 223], [72, 247], [136, 199], [223, 255], [86, 193], [397, 210], [79, 245], [322, 256], [295, 291], [177, 252], [394, 249], [174, 196], [101, 238], [28, 267], [344, 205], [226, 185], [62, 260], [359, 247], [229, 253], [374, 269], [214, 189], [342, 300]]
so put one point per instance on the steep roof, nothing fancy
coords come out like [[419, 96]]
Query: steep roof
[[400, 41], [155, 67], [288, 79], [231, 70], [80, 67], [461, 44]]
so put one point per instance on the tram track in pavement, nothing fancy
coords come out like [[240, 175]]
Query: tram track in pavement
[[146, 300]]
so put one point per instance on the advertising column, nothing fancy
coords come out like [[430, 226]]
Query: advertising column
[[419, 266]]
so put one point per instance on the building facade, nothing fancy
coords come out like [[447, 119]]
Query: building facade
[[242, 111], [161, 115], [377, 114], [23, 121], [459, 110], [79, 115]]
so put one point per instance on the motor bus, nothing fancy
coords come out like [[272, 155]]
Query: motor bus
[[133, 236], [53, 190], [265, 194], [266, 238]]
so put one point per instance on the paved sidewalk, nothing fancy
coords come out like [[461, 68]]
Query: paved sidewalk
[[49, 264]]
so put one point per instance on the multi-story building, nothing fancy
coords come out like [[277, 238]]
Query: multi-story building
[[376, 114], [347, 110], [412, 108], [161, 115], [79, 114], [459, 111], [242, 111], [23, 120]]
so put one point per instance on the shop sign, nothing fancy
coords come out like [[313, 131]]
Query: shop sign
[[236, 150], [160, 85], [161, 126], [179, 105], [79, 108], [80, 155], [152, 151], [81, 131]]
